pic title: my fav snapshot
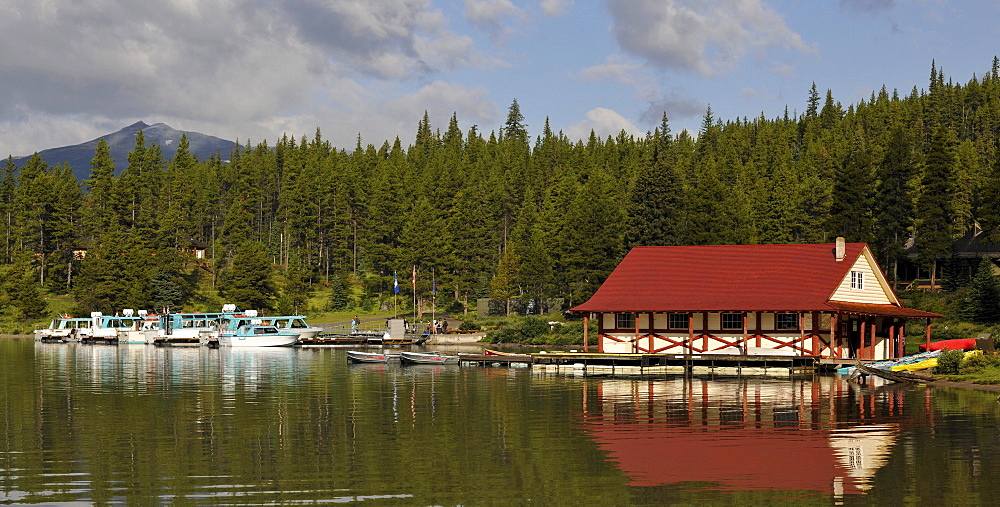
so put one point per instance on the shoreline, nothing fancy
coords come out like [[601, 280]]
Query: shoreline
[[468, 340]]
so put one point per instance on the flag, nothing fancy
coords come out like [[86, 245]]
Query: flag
[[434, 284], [413, 279], [395, 283]]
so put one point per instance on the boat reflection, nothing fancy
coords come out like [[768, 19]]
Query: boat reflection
[[819, 435]]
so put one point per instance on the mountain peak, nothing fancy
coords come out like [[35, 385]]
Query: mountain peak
[[120, 143]]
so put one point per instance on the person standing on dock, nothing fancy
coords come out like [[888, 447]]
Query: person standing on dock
[[354, 324]]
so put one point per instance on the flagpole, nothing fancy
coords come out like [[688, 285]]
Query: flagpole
[[413, 283], [434, 295]]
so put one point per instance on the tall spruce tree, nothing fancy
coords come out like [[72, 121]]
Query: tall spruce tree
[[655, 203], [934, 217], [894, 206]]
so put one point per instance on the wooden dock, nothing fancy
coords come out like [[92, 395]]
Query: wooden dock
[[681, 363], [328, 339]]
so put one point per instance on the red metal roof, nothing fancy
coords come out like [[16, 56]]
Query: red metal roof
[[722, 278]]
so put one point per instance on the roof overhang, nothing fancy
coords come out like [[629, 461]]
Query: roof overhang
[[882, 310]]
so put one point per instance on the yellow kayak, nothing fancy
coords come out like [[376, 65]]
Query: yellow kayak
[[929, 363]]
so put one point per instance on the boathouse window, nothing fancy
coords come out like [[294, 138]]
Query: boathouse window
[[786, 321], [732, 321], [857, 280], [677, 321], [624, 320]]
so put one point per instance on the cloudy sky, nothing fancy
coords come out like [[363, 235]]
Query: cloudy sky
[[71, 71]]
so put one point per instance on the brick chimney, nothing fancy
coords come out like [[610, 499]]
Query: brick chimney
[[841, 250]]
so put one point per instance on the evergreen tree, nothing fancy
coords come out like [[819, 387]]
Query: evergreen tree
[[983, 303], [168, 290], [894, 205], [246, 282], [339, 298], [655, 203], [934, 217], [853, 197], [504, 285]]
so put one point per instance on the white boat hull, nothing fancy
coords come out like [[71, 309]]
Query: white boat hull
[[278, 340]]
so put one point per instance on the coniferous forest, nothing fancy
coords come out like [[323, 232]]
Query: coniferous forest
[[510, 214]]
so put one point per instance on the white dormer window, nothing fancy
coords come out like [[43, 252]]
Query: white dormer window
[[857, 280]]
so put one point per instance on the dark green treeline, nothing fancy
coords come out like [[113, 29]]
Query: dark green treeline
[[508, 214]]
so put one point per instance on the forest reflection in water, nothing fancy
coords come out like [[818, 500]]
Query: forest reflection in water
[[141, 424]]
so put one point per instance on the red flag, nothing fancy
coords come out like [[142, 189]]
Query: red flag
[[413, 279]]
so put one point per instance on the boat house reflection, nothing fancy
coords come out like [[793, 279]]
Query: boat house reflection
[[817, 435]]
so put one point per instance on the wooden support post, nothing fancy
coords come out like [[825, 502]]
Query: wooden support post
[[649, 348], [834, 339], [861, 338], [690, 331], [802, 331], [757, 328], [746, 334], [927, 334], [892, 340], [635, 341], [902, 337], [600, 333], [871, 338], [586, 327]]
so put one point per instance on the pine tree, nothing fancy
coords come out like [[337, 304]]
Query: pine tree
[[983, 303]]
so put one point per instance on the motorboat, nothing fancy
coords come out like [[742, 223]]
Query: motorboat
[[257, 335], [65, 328]]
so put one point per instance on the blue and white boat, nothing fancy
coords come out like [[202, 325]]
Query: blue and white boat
[[291, 323], [256, 334], [186, 329], [130, 327]]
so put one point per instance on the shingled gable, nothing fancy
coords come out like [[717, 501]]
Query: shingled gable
[[755, 278]]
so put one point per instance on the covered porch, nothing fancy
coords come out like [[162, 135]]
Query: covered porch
[[845, 331]]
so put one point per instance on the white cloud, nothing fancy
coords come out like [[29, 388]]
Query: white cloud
[[707, 37], [604, 122], [555, 7]]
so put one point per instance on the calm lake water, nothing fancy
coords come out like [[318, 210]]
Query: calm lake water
[[143, 425]]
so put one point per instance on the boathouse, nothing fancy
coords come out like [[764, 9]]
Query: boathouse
[[817, 300]]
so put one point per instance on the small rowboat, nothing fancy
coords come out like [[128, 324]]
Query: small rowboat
[[427, 358], [489, 352], [356, 356]]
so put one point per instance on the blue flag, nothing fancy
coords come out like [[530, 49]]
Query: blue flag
[[395, 283], [434, 283]]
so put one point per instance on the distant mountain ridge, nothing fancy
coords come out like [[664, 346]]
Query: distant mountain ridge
[[122, 142]]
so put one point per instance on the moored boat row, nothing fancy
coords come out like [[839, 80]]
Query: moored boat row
[[229, 328]]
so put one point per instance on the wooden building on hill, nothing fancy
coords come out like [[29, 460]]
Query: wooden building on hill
[[819, 300]]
